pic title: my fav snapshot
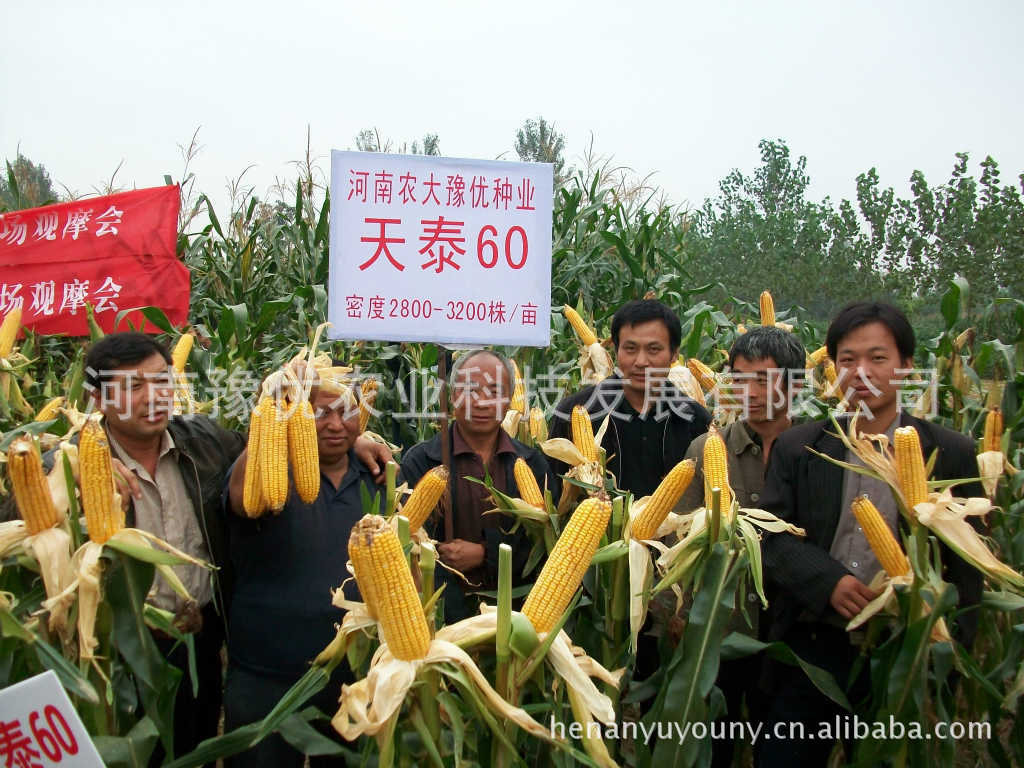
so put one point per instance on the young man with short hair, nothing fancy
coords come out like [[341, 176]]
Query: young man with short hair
[[822, 578]]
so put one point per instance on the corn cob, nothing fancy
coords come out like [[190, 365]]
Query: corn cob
[[103, 518], [31, 491], [538, 425], [666, 495], [910, 466], [704, 375], [425, 496], [568, 562], [252, 497], [529, 491], [179, 357], [273, 447], [586, 336], [518, 401], [8, 331], [767, 309], [49, 411], [716, 470], [993, 439], [583, 433], [302, 452], [381, 570], [815, 358], [880, 537], [367, 398]]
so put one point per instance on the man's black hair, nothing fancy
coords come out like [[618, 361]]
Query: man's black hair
[[853, 316], [119, 349], [643, 311], [768, 342]]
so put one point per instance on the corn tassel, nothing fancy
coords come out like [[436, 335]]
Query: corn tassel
[[103, 516], [529, 491], [367, 398], [583, 433], [583, 331], [767, 309], [8, 331], [568, 562], [303, 454], [273, 448], [425, 496], [704, 375], [665, 497], [910, 466], [50, 410], [880, 537], [993, 438], [31, 491], [716, 471], [381, 570]]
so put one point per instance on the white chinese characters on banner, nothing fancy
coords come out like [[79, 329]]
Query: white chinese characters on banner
[[440, 249], [42, 297], [17, 228]]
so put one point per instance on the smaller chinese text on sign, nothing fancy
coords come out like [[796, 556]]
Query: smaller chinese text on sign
[[440, 249]]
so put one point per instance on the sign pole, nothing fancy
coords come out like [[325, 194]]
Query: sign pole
[[446, 447]]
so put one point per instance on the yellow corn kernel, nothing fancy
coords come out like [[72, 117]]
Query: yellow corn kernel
[[665, 497], [518, 401], [529, 491], [880, 537], [303, 454], [538, 425], [425, 496], [568, 562], [179, 357], [273, 450], [367, 398], [31, 491], [583, 331], [767, 309], [910, 466], [704, 375], [993, 439], [8, 331], [716, 470], [50, 410], [741, 329], [815, 358], [252, 496], [382, 571], [103, 518], [583, 433]]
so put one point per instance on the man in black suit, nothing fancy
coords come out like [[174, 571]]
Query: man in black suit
[[822, 579]]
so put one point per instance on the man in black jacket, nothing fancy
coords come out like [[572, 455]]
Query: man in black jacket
[[652, 423], [822, 579], [481, 385]]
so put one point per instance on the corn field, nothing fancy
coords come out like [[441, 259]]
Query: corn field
[[484, 692]]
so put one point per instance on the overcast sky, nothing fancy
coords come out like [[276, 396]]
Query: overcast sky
[[682, 89]]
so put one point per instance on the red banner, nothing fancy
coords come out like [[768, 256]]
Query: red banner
[[114, 252]]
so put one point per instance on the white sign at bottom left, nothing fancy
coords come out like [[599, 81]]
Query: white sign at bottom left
[[39, 728]]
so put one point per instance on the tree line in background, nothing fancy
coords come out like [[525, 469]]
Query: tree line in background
[[760, 232]]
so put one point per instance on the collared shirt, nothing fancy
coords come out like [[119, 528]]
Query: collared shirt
[[286, 568], [745, 462], [641, 440], [473, 499], [849, 546], [166, 511]]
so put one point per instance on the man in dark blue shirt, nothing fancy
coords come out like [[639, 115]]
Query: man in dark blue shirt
[[286, 567]]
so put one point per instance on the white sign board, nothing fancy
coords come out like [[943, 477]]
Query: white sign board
[[39, 727], [440, 249]]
